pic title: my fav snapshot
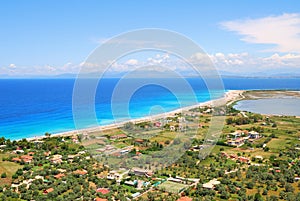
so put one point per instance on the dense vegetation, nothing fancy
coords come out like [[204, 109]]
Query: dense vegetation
[[272, 173]]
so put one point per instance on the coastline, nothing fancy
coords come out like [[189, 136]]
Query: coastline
[[271, 102], [228, 98]]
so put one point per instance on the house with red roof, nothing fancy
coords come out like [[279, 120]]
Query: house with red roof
[[139, 140], [100, 199], [157, 124], [185, 198], [16, 160], [49, 190], [119, 136], [59, 176], [27, 158], [80, 172], [103, 191], [243, 159]]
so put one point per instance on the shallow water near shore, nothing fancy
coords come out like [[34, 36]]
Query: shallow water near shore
[[30, 108]]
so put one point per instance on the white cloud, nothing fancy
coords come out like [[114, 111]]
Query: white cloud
[[288, 60], [12, 65], [246, 63], [235, 63], [50, 68], [88, 64], [132, 62], [282, 31]]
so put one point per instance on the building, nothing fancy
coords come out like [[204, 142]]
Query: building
[[172, 128], [142, 172], [243, 159], [75, 139], [27, 158], [59, 176], [236, 134], [80, 172], [185, 198], [135, 195], [254, 135], [101, 199], [16, 160], [237, 142], [181, 119], [211, 184], [124, 151], [18, 151], [117, 175], [103, 191], [116, 137], [113, 175], [56, 159], [49, 190], [174, 180], [157, 124], [131, 183], [139, 141]]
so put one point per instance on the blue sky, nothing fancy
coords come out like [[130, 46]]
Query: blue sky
[[53, 37]]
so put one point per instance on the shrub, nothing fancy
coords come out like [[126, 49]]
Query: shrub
[[3, 175]]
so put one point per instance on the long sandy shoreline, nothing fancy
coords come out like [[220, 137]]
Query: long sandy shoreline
[[228, 98]]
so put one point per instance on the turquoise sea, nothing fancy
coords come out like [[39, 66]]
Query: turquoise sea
[[30, 108]]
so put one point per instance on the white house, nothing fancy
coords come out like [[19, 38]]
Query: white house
[[254, 135]]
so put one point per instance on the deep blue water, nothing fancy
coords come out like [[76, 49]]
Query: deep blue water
[[32, 107]]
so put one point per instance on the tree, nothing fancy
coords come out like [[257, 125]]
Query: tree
[[273, 198], [282, 195], [289, 188], [224, 195], [3, 175], [258, 197], [250, 185], [265, 192]]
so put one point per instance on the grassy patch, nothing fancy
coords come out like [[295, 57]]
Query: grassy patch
[[9, 168], [172, 187]]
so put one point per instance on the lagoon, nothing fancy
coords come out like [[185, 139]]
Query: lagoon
[[271, 106]]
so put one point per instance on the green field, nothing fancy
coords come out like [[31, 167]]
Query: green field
[[9, 168], [172, 187]]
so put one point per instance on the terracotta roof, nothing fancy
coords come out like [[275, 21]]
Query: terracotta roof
[[16, 159], [102, 190], [244, 159], [27, 157], [58, 176], [185, 199], [100, 199], [118, 136], [47, 153], [81, 172], [49, 190], [139, 140]]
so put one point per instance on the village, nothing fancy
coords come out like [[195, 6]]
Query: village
[[244, 160]]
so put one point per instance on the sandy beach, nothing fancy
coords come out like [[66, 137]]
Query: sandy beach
[[228, 98]]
